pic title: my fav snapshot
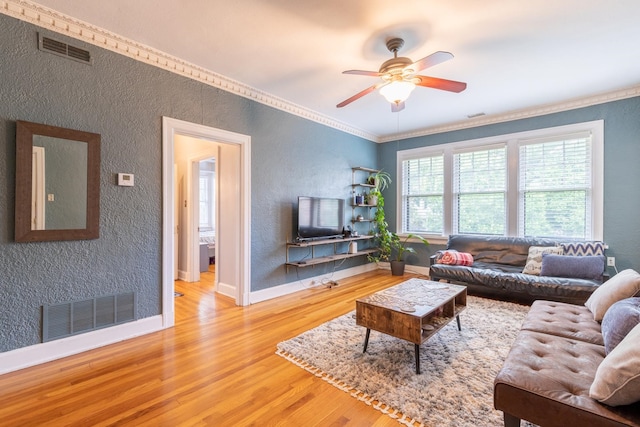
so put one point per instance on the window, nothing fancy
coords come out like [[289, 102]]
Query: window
[[544, 183], [207, 196]]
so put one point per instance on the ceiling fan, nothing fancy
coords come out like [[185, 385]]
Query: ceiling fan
[[399, 77]]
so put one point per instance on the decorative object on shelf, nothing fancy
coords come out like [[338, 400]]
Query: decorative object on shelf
[[372, 199]]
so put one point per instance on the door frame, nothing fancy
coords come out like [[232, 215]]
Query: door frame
[[170, 128]]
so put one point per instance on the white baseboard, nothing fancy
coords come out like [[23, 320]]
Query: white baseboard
[[289, 288], [227, 290], [46, 352]]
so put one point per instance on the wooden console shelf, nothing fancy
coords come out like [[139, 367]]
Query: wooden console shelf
[[336, 256]]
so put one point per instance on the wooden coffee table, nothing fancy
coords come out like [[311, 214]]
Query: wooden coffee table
[[413, 311]]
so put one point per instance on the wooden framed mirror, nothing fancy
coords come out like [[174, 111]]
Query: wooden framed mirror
[[57, 183]]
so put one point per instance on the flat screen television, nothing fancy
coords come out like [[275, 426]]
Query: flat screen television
[[320, 217]]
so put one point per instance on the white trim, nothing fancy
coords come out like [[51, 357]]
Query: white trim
[[80, 30], [46, 352], [536, 111], [170, 128], [291, 287]]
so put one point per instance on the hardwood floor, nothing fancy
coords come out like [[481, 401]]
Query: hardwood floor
[[217, 366]]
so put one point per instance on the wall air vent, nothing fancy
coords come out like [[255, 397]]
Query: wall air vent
[[76, 317], [59, 48]]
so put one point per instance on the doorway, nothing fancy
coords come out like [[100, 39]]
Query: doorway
[[234, 239]]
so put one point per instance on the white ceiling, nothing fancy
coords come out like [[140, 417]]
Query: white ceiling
[[514, 55]]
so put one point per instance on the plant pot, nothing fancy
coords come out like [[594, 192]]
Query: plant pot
[[397, 268], [373, 201]]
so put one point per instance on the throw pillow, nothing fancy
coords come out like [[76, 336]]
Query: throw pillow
[[621, 318], [534, 259], [623, 285], [451, 257], [617, 380], [579, 267], [583, 248]]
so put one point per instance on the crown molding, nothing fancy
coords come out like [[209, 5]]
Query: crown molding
[[52, 20], [55, 21], [520, 114]]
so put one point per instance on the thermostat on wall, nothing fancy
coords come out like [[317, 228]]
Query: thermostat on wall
[[125, 179]]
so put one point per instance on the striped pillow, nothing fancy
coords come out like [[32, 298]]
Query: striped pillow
[[583, 248]]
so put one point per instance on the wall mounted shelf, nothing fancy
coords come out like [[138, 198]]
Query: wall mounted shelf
[[338, 248]]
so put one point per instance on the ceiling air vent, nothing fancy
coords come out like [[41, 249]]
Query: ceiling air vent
[[59, 48]]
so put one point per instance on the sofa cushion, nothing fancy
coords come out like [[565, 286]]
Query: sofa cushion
[[534, 259], [563, 320], [617, 380], [623, 285], [505, 278], [583, 248], [618, 321], [581, 267]]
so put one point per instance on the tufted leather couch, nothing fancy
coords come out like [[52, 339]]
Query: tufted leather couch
[[546, 377], [497, 271]]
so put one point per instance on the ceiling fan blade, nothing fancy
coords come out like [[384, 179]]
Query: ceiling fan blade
[[429, 61], [363, 73], [360, 94], [397, 107], [442, 84]]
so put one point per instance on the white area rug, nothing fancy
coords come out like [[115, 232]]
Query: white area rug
[[455, 387]]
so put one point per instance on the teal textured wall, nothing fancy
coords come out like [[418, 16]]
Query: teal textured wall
[[124, 101]]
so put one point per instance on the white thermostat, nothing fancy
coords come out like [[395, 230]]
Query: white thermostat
[[125, 179]]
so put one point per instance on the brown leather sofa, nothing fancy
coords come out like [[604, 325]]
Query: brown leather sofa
[[497, 271], [550, 368]]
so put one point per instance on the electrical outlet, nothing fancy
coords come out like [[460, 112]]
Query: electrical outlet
[[611, 261]]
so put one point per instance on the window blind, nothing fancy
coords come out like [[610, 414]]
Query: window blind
[[479, 191], [423, 194], [555, 187]]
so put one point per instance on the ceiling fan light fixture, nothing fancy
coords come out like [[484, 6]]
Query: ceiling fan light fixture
[[397, 92]]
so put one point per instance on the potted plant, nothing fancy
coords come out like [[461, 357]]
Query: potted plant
[[380, 180], [383, 237], [400, 246]]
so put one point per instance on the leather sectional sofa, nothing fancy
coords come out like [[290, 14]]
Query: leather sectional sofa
[[497, 271], [548, 373]]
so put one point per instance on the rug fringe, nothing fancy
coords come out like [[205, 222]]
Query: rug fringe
[[341, 385]]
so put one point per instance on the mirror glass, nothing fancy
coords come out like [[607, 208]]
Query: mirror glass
[[57, 183]]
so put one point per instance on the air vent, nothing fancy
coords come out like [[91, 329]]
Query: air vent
[[59, 48], [76, 317]]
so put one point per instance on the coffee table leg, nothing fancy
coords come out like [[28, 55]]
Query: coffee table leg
[[458, 320], [366, 340], [417, 358]]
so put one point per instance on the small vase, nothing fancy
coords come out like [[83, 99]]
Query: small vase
[[397, 268]]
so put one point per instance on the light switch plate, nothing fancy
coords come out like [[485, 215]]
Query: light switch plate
[[125, 179]]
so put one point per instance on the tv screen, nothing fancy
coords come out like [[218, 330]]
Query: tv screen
[[320, 217]]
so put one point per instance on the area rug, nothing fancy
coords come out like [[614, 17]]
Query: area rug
[[455, 387]]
